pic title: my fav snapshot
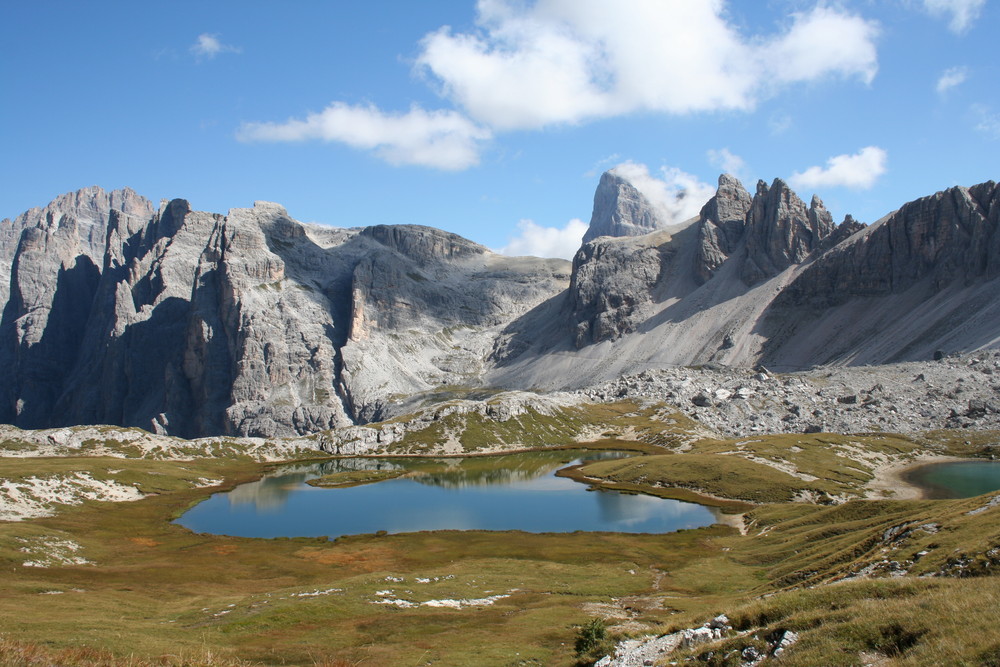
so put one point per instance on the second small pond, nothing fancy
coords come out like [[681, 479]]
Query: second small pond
[[956, 479]]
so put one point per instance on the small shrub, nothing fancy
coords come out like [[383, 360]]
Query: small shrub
[[592, 640], [990, 657], [894, 639]]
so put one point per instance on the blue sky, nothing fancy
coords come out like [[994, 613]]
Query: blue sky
[[495, 119]]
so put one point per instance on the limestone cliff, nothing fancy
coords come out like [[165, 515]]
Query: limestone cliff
[[767, 279], [251, 323], [620, 210]]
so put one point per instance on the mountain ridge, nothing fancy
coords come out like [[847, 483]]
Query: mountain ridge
[[251, 323]]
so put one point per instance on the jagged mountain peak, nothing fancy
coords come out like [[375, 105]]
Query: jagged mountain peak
[[620, 209], [195, 323]]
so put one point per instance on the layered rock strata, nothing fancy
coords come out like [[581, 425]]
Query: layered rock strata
[[251, 323]]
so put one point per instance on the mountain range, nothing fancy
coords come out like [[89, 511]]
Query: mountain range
[[251, 323]]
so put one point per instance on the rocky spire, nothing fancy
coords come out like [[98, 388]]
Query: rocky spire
[[721, 225], [620, 210], [781, 231]]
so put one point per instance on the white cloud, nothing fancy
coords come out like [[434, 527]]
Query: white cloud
[[953, 76], [779, 123], [821, 42], [538, 241], [440, 139], [725, 160], [853, 171], [677, 195], [533, 63], [209, 46], [601, 165], [559, 61], [963, 12], [987, 122]]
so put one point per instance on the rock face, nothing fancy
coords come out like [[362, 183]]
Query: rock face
[[611, 281], [773, 230], [780, 231], [723, 221], [89, 208], [250, 323], [620, 210], [767, 279], [191, 323], [951, 236]]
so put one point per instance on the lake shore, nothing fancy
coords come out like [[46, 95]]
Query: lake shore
[[894, 480]]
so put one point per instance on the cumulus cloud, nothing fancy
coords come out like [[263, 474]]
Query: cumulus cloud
[[853, 171], [440, 139], [963, 13], [537, 241], [529, 64], [677, 195], [727, 161], [209, 46], [953, 76], [557, 61]]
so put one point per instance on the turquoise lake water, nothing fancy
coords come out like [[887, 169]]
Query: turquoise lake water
[[960, 479], [513, 492]]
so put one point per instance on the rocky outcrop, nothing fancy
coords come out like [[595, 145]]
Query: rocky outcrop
[[252, 324], [89, 208], [50, 264], [950, 236], [611, 283], [769, 232], [620, 210], [848, 228], [722, 222], [781, 231], [423, 244]]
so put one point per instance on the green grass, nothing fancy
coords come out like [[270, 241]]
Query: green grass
[[155, 593], [155, 589], [895, 622], [728, 477], [349, 478]]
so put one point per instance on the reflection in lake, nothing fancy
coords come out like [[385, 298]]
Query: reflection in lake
[[512, 492]]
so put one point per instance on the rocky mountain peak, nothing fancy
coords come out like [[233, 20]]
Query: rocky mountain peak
[[83, 214], [781, 231], [844, 230], [620, 210], [721, 224]]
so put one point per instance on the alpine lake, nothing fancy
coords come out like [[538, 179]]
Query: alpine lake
[[519, 492], [956, 479]]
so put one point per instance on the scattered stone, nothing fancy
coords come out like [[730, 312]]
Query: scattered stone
[[893, 403], [702, 401], [787, 639]]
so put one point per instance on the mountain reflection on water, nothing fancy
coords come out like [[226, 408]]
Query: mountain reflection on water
[[502, 470], [511, 492], [272, 491]]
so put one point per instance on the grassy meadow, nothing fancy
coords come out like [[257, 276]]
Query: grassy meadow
[[116, 583]]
